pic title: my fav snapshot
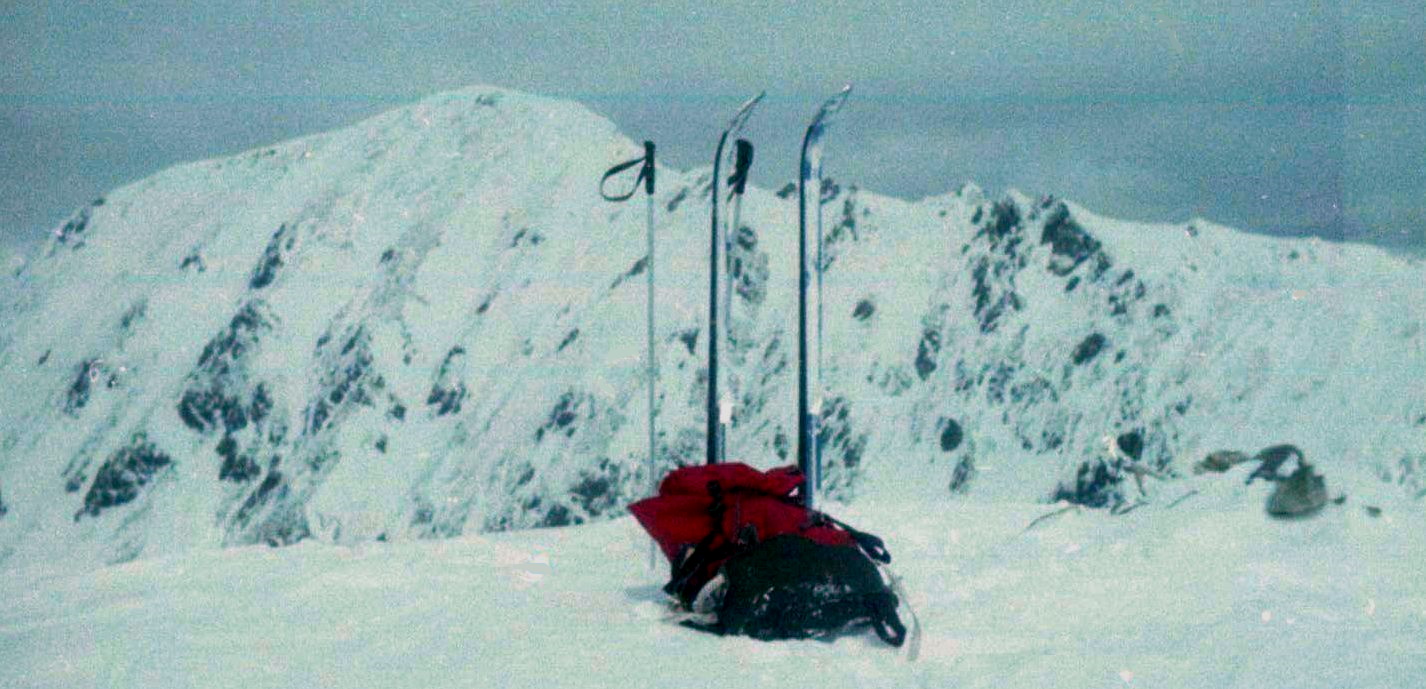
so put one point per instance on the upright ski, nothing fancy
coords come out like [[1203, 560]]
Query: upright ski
[[728, 387], [720, 402], [809, 350]]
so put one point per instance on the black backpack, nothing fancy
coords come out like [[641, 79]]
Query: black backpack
[[791, 587]]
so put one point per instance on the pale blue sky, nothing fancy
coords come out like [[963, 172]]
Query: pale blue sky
[[1293, 117]]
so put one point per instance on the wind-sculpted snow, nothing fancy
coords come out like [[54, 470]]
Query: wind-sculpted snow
[[1208, 594], [429, 324]]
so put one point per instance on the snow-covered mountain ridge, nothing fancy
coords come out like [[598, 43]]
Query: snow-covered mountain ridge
[[429, 324]]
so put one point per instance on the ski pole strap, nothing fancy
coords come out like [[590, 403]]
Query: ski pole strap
[[646, 175], [742, 160]]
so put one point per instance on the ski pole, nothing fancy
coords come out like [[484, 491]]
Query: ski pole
[[646, 174]]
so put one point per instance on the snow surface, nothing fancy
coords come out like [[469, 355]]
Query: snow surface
[[1209, 593]]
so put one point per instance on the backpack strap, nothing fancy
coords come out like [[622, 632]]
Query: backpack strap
[[684, 582], [885, 622], [873, 546]]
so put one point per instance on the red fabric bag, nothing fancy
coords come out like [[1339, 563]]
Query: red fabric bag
[[704, 514]]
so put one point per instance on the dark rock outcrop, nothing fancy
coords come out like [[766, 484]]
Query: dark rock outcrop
[[123, 477]]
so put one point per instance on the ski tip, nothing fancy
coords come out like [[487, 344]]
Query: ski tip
[[828, 109], [744, 112], [750, 103]]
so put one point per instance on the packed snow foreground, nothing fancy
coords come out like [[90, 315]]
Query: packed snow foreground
[[410, 352], [1210, 593]]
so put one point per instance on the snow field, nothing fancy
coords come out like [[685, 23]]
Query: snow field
[[1207, 593]]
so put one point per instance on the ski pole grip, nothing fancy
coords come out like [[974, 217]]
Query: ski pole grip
[[647, 172], [742, 160]]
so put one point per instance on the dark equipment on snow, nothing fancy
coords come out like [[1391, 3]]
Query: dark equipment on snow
[[1272, 459], [792, 587], [1300, 495], [735, 520]]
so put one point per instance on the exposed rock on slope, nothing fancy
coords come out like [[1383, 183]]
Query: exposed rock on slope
[[429, 323]]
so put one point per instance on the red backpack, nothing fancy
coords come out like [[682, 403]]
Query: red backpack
[[703, 515]]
